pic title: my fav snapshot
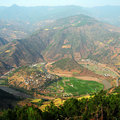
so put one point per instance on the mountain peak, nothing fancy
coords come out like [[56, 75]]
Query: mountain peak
[[14, 5]]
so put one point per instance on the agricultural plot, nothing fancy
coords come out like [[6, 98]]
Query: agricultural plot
[[72, 87], [100, 70]]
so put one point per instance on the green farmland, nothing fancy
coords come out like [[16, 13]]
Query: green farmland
[[73, 87]]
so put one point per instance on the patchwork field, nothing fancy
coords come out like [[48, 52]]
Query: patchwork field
[[71, 86], [100, 70]]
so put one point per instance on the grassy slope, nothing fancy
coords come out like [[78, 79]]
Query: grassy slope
[[67, 64]]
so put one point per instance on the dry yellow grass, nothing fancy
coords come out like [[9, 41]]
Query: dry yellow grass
[[45, 104], [58, 101], [66, 46], [43, 107], [36, 100], [87, 96], [7, 51], [54, 28], [117, 63], [46, 29], [110, 41]]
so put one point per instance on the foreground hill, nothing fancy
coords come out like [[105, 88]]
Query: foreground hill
[[7, 100], [74, 37], [100, 106]]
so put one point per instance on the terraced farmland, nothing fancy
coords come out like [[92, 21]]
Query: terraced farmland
[[72, 87]]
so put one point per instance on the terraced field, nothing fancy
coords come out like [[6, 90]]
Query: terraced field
[[72, 87]]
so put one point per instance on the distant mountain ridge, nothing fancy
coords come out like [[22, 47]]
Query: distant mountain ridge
[[35, 14], [108, 14], [17, 22]]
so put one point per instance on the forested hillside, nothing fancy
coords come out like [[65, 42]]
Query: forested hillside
[[98, 107]]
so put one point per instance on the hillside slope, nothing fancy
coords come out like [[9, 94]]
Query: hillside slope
[[31, 78], [4, 67], [22, 52], [2, 42], [7, 100], [74, 37], [83, 37], [66, 64]]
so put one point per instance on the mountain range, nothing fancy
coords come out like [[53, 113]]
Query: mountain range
[[109, 14], [17, 22], [75, 37]]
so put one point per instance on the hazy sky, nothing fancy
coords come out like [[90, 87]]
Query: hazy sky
[[88, 3]]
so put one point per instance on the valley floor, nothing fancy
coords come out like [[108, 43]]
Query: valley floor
[[104, 79]]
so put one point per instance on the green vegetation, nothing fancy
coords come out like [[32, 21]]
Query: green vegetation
[[28, 69], [73, 87], [117, 90], [66, 64], [29, 79], [16, 70], [3, 81], [102, 106], [100, 70]]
